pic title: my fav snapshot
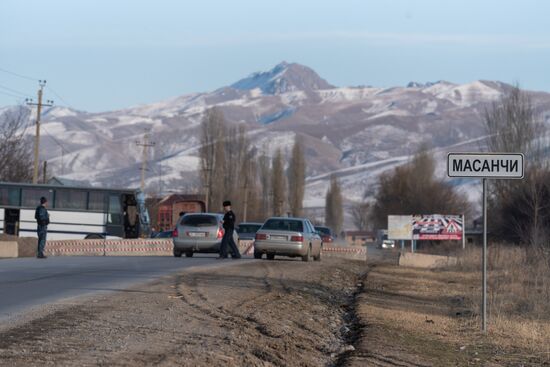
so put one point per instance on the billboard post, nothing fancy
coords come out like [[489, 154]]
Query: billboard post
[[484, 166]]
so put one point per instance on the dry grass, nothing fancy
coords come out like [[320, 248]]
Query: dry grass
[[434, 314], [518, 295]]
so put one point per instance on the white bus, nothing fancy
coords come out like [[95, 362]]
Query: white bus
[[75, 212]]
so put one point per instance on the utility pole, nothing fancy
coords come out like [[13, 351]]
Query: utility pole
[[245, 209], [145, 144], [41, 84], [44, 173]]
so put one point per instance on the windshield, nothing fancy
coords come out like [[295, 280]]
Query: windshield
[[248, 228], [199, 220], [284, 225]]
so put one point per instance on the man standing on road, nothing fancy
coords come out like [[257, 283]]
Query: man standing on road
[[42, 220], [229, 228]]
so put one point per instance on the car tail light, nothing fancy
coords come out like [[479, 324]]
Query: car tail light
[[297, 238], [327, 239], [220, 233], [261, 236], [175, 233]]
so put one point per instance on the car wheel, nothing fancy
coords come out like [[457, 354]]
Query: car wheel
[[318, 257], [177, 253], [257, 255], [307, 256], [189, 254], [94, 236], [270, 256]]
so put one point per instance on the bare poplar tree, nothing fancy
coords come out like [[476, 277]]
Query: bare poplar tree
[[297, 178], [360, 213], [15, 147], [265, 182], [212, 157], [278, 183], [334, 210], [523, 212]]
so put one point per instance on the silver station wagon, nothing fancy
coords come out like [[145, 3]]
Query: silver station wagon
[[288, 237], [199, 232]]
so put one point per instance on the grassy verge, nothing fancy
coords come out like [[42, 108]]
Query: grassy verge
[[431, 317]]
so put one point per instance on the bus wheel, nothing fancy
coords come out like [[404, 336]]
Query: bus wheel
[[177, 253], [189, 254], [94, 236]]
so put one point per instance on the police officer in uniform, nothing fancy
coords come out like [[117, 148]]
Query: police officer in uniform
[[229, 228], [42, 220]]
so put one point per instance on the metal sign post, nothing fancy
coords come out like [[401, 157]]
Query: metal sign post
[[484, 166]]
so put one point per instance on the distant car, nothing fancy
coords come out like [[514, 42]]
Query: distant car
[[288, 237], [198, 232], [247, 230], [163, 234], [325, 233], [387, 244]]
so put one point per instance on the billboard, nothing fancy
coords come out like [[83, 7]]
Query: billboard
[[437, 227], [399, 227]]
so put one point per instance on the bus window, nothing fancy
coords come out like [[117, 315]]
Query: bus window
[[114, 210], [31, 197], [96, 201], [70, 199], [10, 196]]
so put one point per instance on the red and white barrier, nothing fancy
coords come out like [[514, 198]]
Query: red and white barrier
[[161, 247]]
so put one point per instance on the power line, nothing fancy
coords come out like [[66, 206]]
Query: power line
[[58, 96], [18, 75], [10, 94], [23, 94]]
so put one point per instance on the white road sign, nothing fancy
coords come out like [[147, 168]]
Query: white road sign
[[399, 227], [485, 165]]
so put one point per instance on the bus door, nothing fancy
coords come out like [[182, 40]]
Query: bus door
[[114, 225], [131, 216], [11, 221]]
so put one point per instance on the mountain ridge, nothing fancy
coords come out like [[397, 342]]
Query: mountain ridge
[[355, 132]]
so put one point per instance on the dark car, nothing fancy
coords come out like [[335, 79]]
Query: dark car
[[326, 234], [247, 230], [162, 234]]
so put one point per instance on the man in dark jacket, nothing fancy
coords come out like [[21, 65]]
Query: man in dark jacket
[[229, 228], [42, 220]]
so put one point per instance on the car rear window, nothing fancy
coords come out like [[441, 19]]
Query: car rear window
[[323, 230], [284, 225], [199, 221], [248, 228]]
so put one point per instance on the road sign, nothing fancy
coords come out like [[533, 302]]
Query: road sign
[[399, 227], [485, 165]]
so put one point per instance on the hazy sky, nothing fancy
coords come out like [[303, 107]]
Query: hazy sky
[[100, 55]]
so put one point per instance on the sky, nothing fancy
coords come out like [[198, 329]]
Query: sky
[[102, 55]]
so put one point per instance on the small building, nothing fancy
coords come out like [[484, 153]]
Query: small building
[[170, 207], [359, 238]]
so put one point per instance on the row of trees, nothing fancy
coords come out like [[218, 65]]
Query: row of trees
[[15, 146], [233, 169]]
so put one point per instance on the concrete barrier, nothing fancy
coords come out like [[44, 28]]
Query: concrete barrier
[[425, 261], [9, 249], [133, 247], [347, 252]]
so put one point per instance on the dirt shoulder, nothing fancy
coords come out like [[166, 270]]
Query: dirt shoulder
[[268, 313], [415, 317]]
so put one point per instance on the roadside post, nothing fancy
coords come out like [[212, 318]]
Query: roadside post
[[485, 166]]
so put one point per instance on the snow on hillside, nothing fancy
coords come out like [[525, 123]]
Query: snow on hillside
[[356, 133]]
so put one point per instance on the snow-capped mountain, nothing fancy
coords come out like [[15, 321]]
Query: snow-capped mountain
[[353, 132]]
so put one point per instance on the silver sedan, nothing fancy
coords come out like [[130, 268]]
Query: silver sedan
[[288, 237]]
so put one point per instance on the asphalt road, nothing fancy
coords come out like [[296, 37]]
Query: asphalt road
[[29, 282]]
